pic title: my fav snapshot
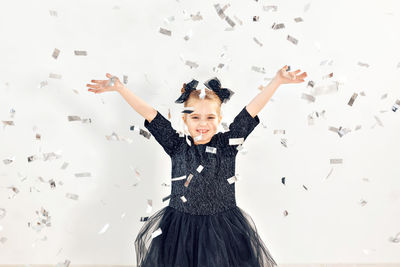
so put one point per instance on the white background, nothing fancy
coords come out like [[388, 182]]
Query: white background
[[325, 223]]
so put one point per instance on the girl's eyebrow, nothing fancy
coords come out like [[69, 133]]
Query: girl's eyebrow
[[198, 114]]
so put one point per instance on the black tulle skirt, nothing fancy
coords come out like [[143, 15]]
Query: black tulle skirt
[[225, 239]]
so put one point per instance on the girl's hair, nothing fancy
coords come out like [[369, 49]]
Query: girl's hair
[[195, 96]]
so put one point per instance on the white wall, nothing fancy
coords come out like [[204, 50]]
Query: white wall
[[326, 223]]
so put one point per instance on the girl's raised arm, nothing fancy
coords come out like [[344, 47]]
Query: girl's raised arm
[[138, 104], [282, 76]]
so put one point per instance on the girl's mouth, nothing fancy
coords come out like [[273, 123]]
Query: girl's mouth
[[202, 131]]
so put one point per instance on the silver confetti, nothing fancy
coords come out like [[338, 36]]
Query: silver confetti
[[8, 123], [183, 198], [188, 180], [55, 76], [336, 161], [279, 26], [104, 229], [236, 141], [179, 178], [292, 39], [363, 64], [53, 13], [191, 64], [257, 42], [149, 206], [285, 213], [298, 19], [111, 81], [258, 69], [8, 160], [199, 169], [233, 179], [196, 17], [353, 97], [395, 239], [308, 97], [43, 84], [156, 233], [378, 121], [143, 219], [72, 196], [256, 18], [306, 7], [56, 53], [363, 202], [66, 263], [51, 155], [396, 105], [125, 78], [74, 118], [166, 198], [210, 149], [238, 20], [279, 131], [80, 53], [270, 8], [165, 31], [83, 174], [2, 213]]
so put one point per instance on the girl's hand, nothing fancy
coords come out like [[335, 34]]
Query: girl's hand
[[101, 86], [290, 77]]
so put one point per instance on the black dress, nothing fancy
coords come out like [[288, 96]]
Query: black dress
[[201, 226]]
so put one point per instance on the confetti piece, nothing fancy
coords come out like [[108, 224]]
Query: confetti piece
[[42, 220], [55, 76], [285, 213], [307, 7], [53, 13], [308, 97], [292, 39], [183, 198], [283, 180], [396, 105], [238, 20], [363, 202], [257, 42], [52, 184], [258, 69], [149, 206], [298, 19], [256, 18], [233, 179], [279, 26], [64, 166], [8, 123], [2, 213], [196, 17], [51, 155], [66, 263], [270, 8], [188, 35], [74, 118], [80, 53], [191, 64], [56, 53], [104, 229], [284, 142], [83, 174], [156, 233], [143, 219], [305, 187], [8, 160], [43, 84], [330, 75], [200, 168], [188, 180], [279, 131], [140, 131], [125, 79], [395, 239], [179, 178], [210, 149], [165, 31], [336, 161], [72, 196], [166, 198], [236, 141], [3, 239], [378, 121], [353, 97], [310, 83], [363, 64]]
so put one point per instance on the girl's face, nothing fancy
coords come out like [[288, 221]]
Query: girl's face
[[204, 119]]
